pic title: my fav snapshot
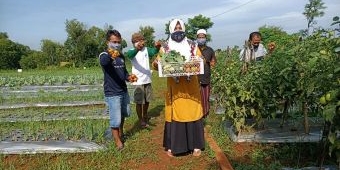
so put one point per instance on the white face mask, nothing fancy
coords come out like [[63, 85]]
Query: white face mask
[[201, 41], [115, 46]]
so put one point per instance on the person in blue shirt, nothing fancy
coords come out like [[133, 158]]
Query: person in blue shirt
[[116, 95]]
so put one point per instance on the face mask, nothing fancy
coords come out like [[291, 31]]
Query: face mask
[[178, 36], [115, 46], [201, 41]]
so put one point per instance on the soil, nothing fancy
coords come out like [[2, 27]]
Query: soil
[[166, 162]]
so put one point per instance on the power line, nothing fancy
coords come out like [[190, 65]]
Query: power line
[[233, 8], [226, 11]]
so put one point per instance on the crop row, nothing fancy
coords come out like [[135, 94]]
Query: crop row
[[41, 80], [88, 130]]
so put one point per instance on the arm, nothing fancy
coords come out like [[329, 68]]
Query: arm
[[241, 56], [132, 53], [271, 47], [128, 76], [213, 60], [152, 51], [155, 61], [104, 59]]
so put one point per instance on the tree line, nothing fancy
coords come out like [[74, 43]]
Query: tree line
[[83, 44], [81, 48]]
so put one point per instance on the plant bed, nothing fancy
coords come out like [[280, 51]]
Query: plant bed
[[66, 104], [56, 130], [48, 147], [53, 113], [271, 132]]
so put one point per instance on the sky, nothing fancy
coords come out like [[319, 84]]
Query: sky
[[29, 21]]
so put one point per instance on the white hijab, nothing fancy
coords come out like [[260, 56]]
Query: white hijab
[[182, 47]]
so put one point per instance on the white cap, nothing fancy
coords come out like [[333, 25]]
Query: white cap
[[201, 31]]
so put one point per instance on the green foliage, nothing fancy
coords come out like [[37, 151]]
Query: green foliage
[[336, 21], [11, 53], [53, 51], [91, 62], [29, 61], [194, 24], [278, 36], [296, 72], [3, 35], [148, 32], [51, 76], [82, 43], [312, 10]]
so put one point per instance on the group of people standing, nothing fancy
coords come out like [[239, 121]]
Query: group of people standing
[[186, 100]]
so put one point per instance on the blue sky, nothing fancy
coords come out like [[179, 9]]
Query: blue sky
[[28, 22]]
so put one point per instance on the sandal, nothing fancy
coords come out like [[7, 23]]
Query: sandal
[[168, 152], [197, 152]]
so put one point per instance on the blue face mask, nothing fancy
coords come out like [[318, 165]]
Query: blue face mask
[[115, 46], [201, 41], [178, 36]]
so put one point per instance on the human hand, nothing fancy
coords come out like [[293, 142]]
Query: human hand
[[139, 45], [212, 63], [158, 44], [132, 78], [271, 46], [114, 53], [155, 63]]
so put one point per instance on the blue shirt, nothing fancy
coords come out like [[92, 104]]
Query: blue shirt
[[115, 74]]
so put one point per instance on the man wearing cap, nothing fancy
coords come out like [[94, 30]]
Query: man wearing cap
[[140, 59], [209, 57]]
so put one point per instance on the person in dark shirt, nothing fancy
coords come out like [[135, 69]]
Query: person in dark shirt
[[209, 59], [116, 94]]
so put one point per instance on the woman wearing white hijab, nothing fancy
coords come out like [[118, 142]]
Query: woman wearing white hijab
[[184, 129]]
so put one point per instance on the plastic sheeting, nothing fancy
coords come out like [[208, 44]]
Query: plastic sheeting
[[291, 131], [48, 147], [16, 106]]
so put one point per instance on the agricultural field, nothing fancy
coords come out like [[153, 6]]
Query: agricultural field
[[85, 119], [67, 105], [73, 110]]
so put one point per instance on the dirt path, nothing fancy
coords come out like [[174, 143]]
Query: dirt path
[[217, 160]]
